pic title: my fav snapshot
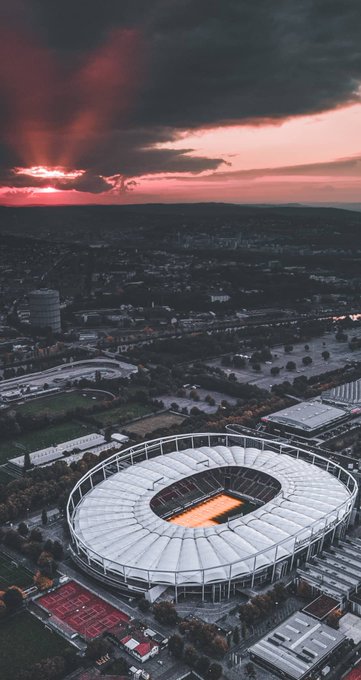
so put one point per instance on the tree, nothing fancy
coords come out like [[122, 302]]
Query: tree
[[290, 366], [256, 367], [203, 664], [42, 582], [144, 605], [23, 529], [57, 550], [47, 565], [215, 671], [275, 370], [279, 592], [333, 620], [166, 613], [27, 461], [97, 648], [108, 434], [219, 646], [36, 535], [325, 355], [307, 361], [176, 645], [250, 670], [13, 539], [288, 349], [13, 598], [341, 337], [191, 656], [307, 347]]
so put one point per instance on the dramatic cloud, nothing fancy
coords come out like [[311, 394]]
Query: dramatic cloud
[[343, 167], [104, 87]]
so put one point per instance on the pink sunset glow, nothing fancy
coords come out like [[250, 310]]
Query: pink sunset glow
[[137, 107]]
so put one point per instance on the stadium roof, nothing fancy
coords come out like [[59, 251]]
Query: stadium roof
[[116, 525], [348, 394], [308, 416]]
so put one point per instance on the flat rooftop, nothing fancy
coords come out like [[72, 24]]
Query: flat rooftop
[[321, 607], [298, 645], [308, 416]]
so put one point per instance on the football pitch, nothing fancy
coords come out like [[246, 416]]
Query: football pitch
[[13, 574]]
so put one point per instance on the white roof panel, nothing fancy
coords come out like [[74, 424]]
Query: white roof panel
[[115, 519]]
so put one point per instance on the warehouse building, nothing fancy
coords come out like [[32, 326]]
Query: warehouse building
[[306, 419], [298, 647]]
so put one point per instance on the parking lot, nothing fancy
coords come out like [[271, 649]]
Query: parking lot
[[202, 405], [340, 355]]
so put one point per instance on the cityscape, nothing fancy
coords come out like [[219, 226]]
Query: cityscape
[[180, 341]]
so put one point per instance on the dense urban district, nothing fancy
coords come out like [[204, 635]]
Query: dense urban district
[[227, 340]]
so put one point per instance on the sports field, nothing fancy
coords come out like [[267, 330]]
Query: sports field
[[123, 413], [81, 610], [40, 439], [58, 404], [146, 426], [25, 641], [12, 574], [207, 513]]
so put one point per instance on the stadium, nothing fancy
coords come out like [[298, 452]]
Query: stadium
[[206, 514]]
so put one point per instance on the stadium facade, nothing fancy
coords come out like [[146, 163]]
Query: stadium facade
[[145, 519]]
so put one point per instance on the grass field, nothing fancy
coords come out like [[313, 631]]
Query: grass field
[[149, 425], [39, 439], [11, 575], [25, 641], [57, 404], [124, 413]]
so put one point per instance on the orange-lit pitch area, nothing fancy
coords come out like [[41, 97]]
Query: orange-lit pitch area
[[204, 514]]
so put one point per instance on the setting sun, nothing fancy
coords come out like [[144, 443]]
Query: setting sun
[[43, 172]]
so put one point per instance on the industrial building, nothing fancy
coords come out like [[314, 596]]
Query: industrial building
[[45, 309], [347, 395], [298, 647], [336, 572], [93, 443], [144, 518], [306, 419]]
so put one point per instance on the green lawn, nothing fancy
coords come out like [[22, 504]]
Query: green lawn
[[40, 439], [25, 641], [11, 575], [124, 413], [56, 404]]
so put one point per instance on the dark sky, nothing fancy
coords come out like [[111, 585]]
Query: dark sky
[[98, 84]]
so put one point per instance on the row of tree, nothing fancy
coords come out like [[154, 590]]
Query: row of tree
[[53, 668], [262, 606], [193, 658]]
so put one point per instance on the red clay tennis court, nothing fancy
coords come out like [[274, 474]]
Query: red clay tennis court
[[81, 610]]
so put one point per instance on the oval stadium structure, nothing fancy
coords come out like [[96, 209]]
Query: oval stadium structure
[[206, 514]]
